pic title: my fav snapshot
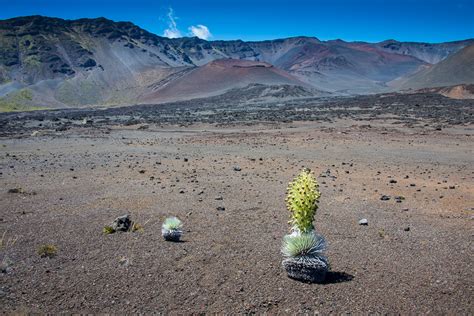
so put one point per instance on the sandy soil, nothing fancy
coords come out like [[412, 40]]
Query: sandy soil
[[414, 256]]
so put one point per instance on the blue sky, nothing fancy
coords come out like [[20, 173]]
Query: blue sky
[[365, 20]]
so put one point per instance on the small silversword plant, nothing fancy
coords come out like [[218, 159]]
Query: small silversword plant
[[303, 250], [172, 229]]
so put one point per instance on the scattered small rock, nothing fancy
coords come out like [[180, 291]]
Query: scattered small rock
[[124, 261], [16, 190], [4, 291], [385, 198], [122, 223], [5, 265], [86, 121], [237, 168], [399, 199], [221, 208], [364, 222]]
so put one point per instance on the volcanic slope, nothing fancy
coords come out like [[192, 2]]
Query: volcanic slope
[[52, 62], [220, 76], [455, 70]]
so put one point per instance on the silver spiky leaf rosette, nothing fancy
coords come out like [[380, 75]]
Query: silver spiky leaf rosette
[[171, 235], [312, 266]]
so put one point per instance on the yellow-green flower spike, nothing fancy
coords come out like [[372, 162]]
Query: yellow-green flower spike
[[302, 200]]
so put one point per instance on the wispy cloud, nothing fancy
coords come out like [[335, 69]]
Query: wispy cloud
[[172, 30], [200, 31]]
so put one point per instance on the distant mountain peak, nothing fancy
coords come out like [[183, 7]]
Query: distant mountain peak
[[97, 61]]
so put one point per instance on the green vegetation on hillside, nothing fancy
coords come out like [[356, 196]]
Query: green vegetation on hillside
[[20, 100]]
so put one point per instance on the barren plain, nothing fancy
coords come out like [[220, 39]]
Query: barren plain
[[405, 163]]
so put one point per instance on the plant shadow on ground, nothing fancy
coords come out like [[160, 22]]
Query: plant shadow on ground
[[332, 277], [337, 277]]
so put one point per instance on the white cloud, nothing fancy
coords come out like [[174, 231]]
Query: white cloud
[[172, 30], [200, 31]]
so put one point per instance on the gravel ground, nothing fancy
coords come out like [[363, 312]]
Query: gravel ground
[[414, 256]]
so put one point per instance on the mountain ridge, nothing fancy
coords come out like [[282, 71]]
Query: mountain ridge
[[96, 61], [456, 69]]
